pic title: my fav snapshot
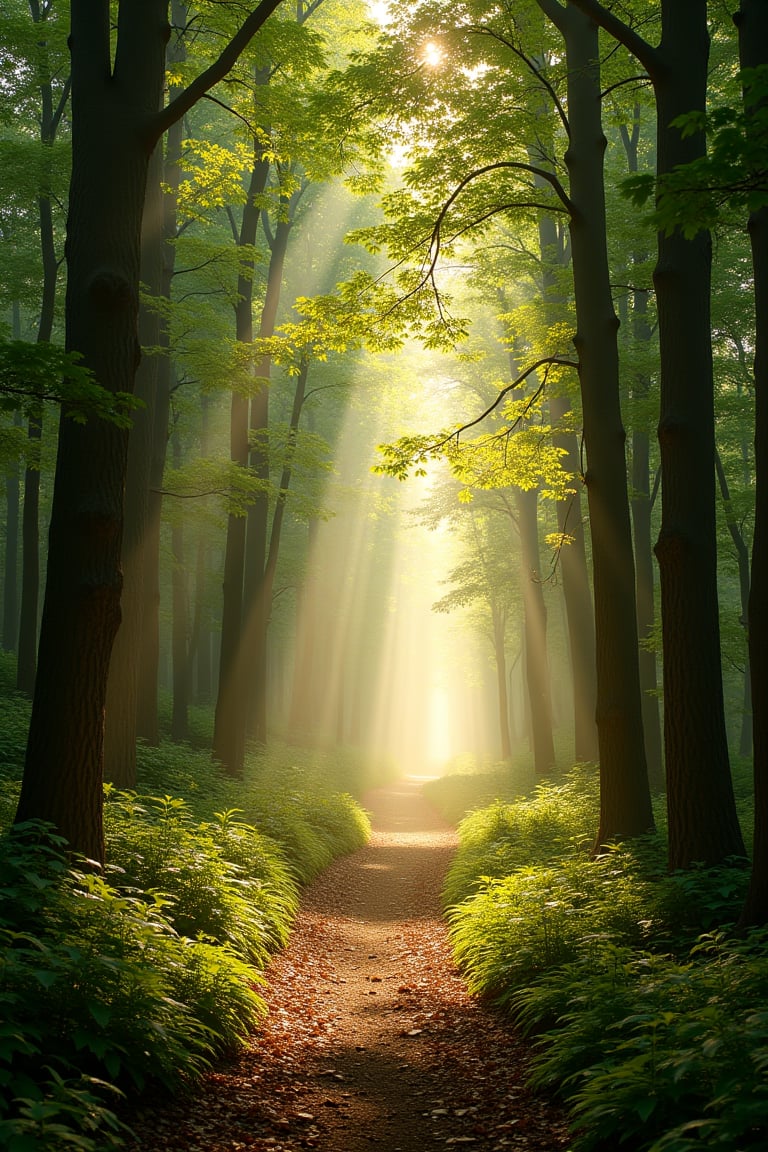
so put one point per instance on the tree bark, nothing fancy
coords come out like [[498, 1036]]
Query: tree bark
[[231, 700], [125, 661], [579, 611], [625, 805], [81, 612], [502, 691], [180, 619], [642, 506], [752, 23], [703, 825], [26, 665], [535, 626], [11, 559], [132, 685], [115, 127], [256, 606], [646, 610]]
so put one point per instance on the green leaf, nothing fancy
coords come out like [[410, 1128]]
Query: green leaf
[[101, 1013], [47, 979]]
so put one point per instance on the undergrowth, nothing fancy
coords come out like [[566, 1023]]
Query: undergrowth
[[648, 1016], [146, 973]]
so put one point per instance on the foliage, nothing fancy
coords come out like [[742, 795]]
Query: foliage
[[144, 975], [33, 373], [667, 1054], [654, 1034], [536, 918], [503, 836], [86, 984], [296, 798], [730, 179], [462, 791], [221, 882]]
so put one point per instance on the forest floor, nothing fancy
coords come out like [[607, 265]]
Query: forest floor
[[372, 1041]]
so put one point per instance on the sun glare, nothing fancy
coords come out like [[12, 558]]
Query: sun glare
[[433, 54]]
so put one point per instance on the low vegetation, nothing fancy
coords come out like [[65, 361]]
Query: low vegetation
[[647, 1009], [143, 975]]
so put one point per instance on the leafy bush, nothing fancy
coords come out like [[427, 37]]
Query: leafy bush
[[222, 881], [289, 795], [657, 1053], [96, 986], [63, 1114], [497, 839], [517, 927], [458, 793], [658, 1041], [143, 975]]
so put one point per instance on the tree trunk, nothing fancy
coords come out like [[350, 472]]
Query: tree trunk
[[642, 505], [302, 715], [81, 614], [580, 616], [26, 666], [703, 825], [115, 126], [535, 625], [200, 638], [180, 620], [740, 547], [579, 612], [500, 656], [230, 719], [11, 560], [30, 591], [625, 805], [132, 685], [125, 662], [641, 522], [256, 606], [752, 22]]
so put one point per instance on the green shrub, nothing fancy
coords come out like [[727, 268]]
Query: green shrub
[[96, 987], [504, 836], [143, 975], [459, 793], [288, 794], [221, 881], [517, 927], [686, 1067], [63, 1114], [655, 1045]]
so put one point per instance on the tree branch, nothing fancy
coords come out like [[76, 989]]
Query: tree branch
[[173, 111], [632, 41], [548, 361], [531, 66]]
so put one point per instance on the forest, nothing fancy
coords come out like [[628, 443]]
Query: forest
[[383, 395]]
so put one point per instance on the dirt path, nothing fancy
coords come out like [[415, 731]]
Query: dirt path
[[372, 1041]]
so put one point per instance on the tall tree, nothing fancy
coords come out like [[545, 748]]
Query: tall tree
[[703, 825], [53, 104], [115, 128], [752, 23]]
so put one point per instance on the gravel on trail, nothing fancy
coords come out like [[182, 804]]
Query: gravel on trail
[[372, 1040]]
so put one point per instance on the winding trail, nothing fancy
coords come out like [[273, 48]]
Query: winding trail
[[372, 1041]]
